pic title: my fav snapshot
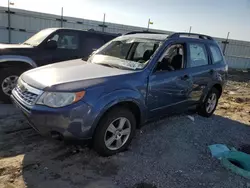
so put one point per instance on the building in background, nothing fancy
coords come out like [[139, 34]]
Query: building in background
[[24, 24]]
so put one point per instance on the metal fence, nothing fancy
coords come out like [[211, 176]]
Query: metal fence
[[237, 53], [24, 23]]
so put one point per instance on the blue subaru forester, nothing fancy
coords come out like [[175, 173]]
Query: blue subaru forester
[[127, 82]]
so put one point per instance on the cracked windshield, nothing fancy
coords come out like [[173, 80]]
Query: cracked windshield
[[129, 53]]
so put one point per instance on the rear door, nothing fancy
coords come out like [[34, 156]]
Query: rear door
[[200, 69]]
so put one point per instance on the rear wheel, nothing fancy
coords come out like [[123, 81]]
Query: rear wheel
[[114, 132], [8, 80], [208, 107]]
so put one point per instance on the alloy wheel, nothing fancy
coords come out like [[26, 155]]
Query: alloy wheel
[[117, 133], [8, 84], [211, 103]]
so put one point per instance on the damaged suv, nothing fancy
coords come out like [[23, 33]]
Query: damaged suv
[[127, 82]]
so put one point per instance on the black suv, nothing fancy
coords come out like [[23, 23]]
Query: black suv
[[47, 46]]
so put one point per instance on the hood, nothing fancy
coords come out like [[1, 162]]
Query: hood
[[70, 74], [6, 46]]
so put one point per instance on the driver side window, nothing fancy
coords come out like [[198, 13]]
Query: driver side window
[[66, 40], [172, 59]]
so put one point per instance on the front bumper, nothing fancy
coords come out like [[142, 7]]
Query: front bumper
[[72, 122]]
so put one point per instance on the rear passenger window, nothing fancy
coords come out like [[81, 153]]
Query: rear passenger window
[[216, 54], [198, 55], [91, 42]]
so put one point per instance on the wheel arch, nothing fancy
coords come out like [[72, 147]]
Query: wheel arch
[[218, 87], [130, 104], [16, 60]]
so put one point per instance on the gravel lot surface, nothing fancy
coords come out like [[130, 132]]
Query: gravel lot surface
[[171, 152]]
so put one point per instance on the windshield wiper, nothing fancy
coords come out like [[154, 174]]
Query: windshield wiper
[[121, 67], [107, 65], [113, 66], [27, 43]]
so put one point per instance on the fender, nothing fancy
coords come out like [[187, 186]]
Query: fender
[[17, 58], [111, 99], [207, 89]]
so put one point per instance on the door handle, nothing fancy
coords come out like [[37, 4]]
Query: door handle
[[185, 77]]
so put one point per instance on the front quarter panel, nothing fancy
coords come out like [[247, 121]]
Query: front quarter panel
[[105, 102]]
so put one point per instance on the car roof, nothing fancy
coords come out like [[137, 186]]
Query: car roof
[[162, 37], [146, 36], [82, 30]]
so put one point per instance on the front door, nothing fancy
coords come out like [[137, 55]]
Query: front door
[[170, 84], [68, 47]]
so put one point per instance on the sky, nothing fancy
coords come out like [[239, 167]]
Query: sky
[[212, 17]]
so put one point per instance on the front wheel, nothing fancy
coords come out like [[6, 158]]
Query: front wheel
[[8, 80], [114, 132], [208, 107]]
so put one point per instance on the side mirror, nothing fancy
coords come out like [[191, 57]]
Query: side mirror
[[51, 44]]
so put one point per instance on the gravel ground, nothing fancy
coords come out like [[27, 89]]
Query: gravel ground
[[171, 152]]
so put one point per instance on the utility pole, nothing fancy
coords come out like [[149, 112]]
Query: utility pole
[[9, 31], [62, 17], [103, 23], [225, 43], [103, 26], [149, 22], [190, 29]]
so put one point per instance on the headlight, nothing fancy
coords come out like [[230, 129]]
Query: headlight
[[59, 99]]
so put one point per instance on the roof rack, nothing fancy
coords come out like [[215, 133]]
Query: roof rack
[[191, 35], [149, 32], [102, 32]]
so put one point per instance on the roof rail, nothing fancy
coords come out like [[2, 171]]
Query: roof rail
[[102, 32], [149, 32], [200, 36]]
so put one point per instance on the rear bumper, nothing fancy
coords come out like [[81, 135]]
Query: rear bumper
[[71, 121]]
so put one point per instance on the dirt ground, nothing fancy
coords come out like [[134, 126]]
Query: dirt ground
[[235, 100], [169, 153]]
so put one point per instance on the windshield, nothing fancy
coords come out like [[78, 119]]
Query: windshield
[[36, 39], [129, 53]]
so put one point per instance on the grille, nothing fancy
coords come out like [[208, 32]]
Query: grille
[[27, 96]]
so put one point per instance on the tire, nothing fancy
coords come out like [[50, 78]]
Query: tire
[[102, 133], [11, 73], [203, 108]]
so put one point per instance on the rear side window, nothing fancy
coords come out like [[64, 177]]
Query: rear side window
[[108, 38], [216, 54], [198, 55], [91, 42]]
